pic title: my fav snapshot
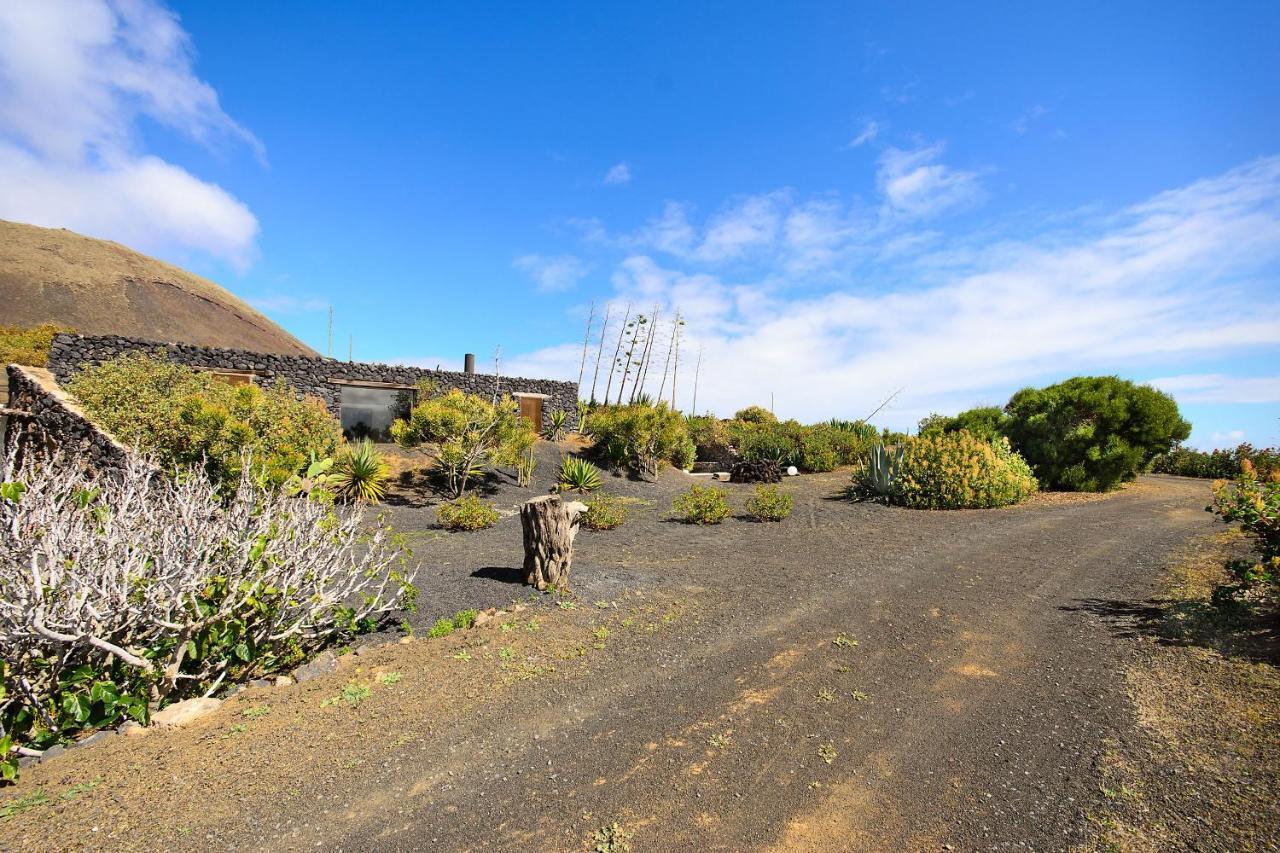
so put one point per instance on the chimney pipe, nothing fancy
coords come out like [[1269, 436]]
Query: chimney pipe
[[469, 363]]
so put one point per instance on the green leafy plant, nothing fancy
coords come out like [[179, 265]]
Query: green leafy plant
[[188, 418], [767, 503], [1254, 504], [612, 839], [466, 513], [755, 415], [1092, 433], [525, 465], [947, 471], [640, 438], [1217, 464], [464, 619], [578, 475], [702, 505], [471, 433], [360, 473], [19, 345], [604, 512], [443, 627], [388, 678]]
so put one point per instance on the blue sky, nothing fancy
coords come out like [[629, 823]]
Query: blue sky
[[842, 200]]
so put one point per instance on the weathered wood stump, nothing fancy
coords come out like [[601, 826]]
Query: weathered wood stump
[[549, 527]]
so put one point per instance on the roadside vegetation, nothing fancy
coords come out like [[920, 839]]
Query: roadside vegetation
[[140, 590], [29, 346], [1217, 464]]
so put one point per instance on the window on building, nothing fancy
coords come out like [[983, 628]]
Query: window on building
[[368, 411]]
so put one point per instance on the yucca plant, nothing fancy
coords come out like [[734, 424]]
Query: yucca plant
[[360, 473], [578, 475], [558, 418]]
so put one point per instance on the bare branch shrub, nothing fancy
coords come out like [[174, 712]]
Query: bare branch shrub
[[121, 590]]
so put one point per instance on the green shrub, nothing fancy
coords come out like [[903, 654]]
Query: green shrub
[[466, 513], [28, 346], [866, 433], [1254, 504], [190, 418], [472, 432], [767, 444], [758, 415], [360, 473], [1092, 433], [442, 627], [464, 619], [604, 512], [1217, 464], [702, 505], [639, 437], [947, 471], [684, 455], [816, 448], [769, 504], [578, 475]]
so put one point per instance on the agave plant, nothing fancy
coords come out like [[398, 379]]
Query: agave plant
[[881, 470], [360, 473], [578, 475], [558, 417]]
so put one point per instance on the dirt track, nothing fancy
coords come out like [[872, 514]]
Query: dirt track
[[966, 703]]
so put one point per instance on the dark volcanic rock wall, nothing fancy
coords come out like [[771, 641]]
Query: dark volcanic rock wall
[[314, 376]]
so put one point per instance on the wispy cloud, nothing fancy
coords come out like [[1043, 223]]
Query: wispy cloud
[[282, 303], [1220, 388], [1030, 116], [914, 182], [75, 78], [552, 273], [1172, 278], [619, 174], [870, 130]]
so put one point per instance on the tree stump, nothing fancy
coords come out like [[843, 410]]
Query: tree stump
[[549, 527]]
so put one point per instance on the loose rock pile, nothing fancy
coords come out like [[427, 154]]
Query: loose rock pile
[[764, 471]]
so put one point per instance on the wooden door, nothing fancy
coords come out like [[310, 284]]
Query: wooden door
[[531, 410]]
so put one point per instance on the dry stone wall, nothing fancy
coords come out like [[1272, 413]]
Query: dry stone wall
[[52, 421], [313, 376]]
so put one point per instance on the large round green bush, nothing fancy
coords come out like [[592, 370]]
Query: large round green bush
[[641, 438], [186, 417], [1092, 433]]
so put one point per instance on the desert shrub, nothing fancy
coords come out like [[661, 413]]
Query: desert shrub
[[604, 512], [816, 448], [466, 513], [360, 473], [769, 444], [865, 432], [464, 619], [29, 346], [442, 627], [702, 505], [472, 433], [765, 471], [123, 591], [932, 424], [578, 475], [985, 422], [638, 437], [1092, 433], [769, 504], [1217, 464], [187, 418], [757, 415], [946, 471], [684, 455], [1254, 504]]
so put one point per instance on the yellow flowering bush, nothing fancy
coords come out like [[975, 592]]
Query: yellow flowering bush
[[959, 471]]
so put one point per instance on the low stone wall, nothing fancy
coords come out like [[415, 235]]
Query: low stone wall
[[52, 421], [313, 376]]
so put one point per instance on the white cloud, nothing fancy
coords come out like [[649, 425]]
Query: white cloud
[[552, 273], [914, 183], [870, 130], [75, 78], [751, 223], [619, 174], [1029, 116], [1182, 275], [1220, 388]]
